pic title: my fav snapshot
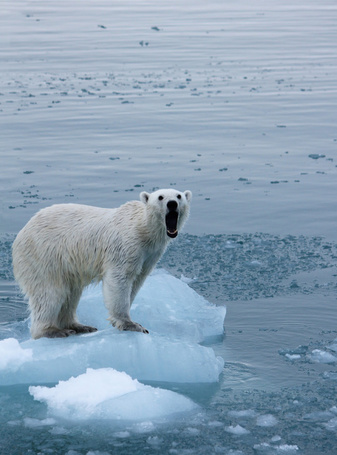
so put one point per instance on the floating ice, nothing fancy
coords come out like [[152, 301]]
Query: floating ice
[[293, 356], [266, 420], [238, 430], [109, 394], [264, 447], [319, 356], [331, 425], [178, 318]]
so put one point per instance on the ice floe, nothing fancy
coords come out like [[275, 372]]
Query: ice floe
[[177, 317]]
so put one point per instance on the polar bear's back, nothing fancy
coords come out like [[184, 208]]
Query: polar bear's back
[[61, 223], [65, 241]]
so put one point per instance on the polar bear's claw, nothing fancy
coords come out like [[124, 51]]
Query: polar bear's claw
[[131, 326]]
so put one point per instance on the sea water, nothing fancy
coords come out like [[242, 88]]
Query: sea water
[[236, 102]]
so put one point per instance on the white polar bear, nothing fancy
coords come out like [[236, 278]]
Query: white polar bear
[[65, 247]]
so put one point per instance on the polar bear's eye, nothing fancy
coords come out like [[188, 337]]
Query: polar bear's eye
[[179, 196], [160, 198]]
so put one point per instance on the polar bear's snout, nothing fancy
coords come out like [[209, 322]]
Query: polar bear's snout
[[171, 219], [172, 205]]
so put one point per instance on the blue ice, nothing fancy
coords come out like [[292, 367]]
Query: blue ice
[[178, 320]]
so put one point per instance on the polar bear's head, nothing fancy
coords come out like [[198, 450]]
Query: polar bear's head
[[169, 207]]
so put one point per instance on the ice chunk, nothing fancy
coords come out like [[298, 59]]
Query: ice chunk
[[109, 394], [238, 430], [266, 420], [12, 355], [264, 447], [293, 356], [177, 318], [319, 356], [164, 305], [276, 438], [287, 448], [331, 425]]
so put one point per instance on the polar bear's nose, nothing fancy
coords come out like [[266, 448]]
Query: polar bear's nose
[[172, 205]]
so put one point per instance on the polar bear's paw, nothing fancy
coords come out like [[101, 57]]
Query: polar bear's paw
[[54, 332], [135, 327], [74, 329], [80, 328], [129, 326]]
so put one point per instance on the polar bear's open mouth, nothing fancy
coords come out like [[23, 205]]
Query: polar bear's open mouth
[[171, 220]]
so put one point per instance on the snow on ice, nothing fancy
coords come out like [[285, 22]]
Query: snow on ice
[[113, 395]]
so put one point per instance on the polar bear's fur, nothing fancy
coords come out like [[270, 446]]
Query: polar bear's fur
[[65, 247]]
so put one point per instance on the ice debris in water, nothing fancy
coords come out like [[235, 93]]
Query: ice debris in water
[[238, 430], [324, 356], [293, 356], [266, 420], [113, 395], [319, 356], [264, 447], [177, 317]]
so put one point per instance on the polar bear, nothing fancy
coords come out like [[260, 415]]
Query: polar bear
[[65, 247]]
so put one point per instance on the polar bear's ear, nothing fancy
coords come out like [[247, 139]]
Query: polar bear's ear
[[188, 195], [144, 197]]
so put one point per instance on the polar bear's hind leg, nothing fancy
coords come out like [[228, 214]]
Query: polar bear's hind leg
[[53, 319]]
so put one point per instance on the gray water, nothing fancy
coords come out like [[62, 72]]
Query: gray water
[[236, 102]]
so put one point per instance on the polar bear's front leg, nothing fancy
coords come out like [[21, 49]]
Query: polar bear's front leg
[[117, 299]]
